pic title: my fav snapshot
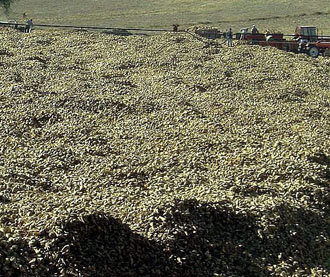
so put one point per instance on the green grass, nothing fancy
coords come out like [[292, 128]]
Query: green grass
[[282, 15]]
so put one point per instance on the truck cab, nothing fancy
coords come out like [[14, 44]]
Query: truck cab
[[306, 32]]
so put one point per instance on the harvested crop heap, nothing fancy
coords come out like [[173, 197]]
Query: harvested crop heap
[[161, 156]]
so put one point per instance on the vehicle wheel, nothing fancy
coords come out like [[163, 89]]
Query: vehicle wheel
[[313, 52]]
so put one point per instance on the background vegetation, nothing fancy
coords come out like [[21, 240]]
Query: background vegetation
[[279, 14]]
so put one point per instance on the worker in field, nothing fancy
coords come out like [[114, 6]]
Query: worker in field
[[28, 26], [302, 45], [254, 30], [175, 27], [229, 37], [244, 31]]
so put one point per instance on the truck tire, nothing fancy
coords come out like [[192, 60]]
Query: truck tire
[[313, 51]]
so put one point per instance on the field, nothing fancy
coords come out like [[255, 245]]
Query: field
[[161, 156], [279, 15]]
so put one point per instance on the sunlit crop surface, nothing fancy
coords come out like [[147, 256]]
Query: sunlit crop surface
[[160, 155]]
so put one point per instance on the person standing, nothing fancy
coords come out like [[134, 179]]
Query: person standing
[[254, 30], [28, 26], [175, 27], [229, 37], [244, 31]]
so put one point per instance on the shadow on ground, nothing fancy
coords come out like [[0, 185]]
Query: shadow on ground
[[221, 240], [203, 239]]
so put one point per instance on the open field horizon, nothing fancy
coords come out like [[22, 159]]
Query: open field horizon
[[280, 15]]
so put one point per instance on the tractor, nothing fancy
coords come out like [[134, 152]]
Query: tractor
[[305, 40], [310, 42]]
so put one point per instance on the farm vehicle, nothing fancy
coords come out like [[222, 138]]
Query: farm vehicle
[[305, 40]]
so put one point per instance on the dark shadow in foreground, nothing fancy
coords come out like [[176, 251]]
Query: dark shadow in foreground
[[202, 239]]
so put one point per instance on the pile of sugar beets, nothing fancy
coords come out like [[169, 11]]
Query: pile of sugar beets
[[161, 156]]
